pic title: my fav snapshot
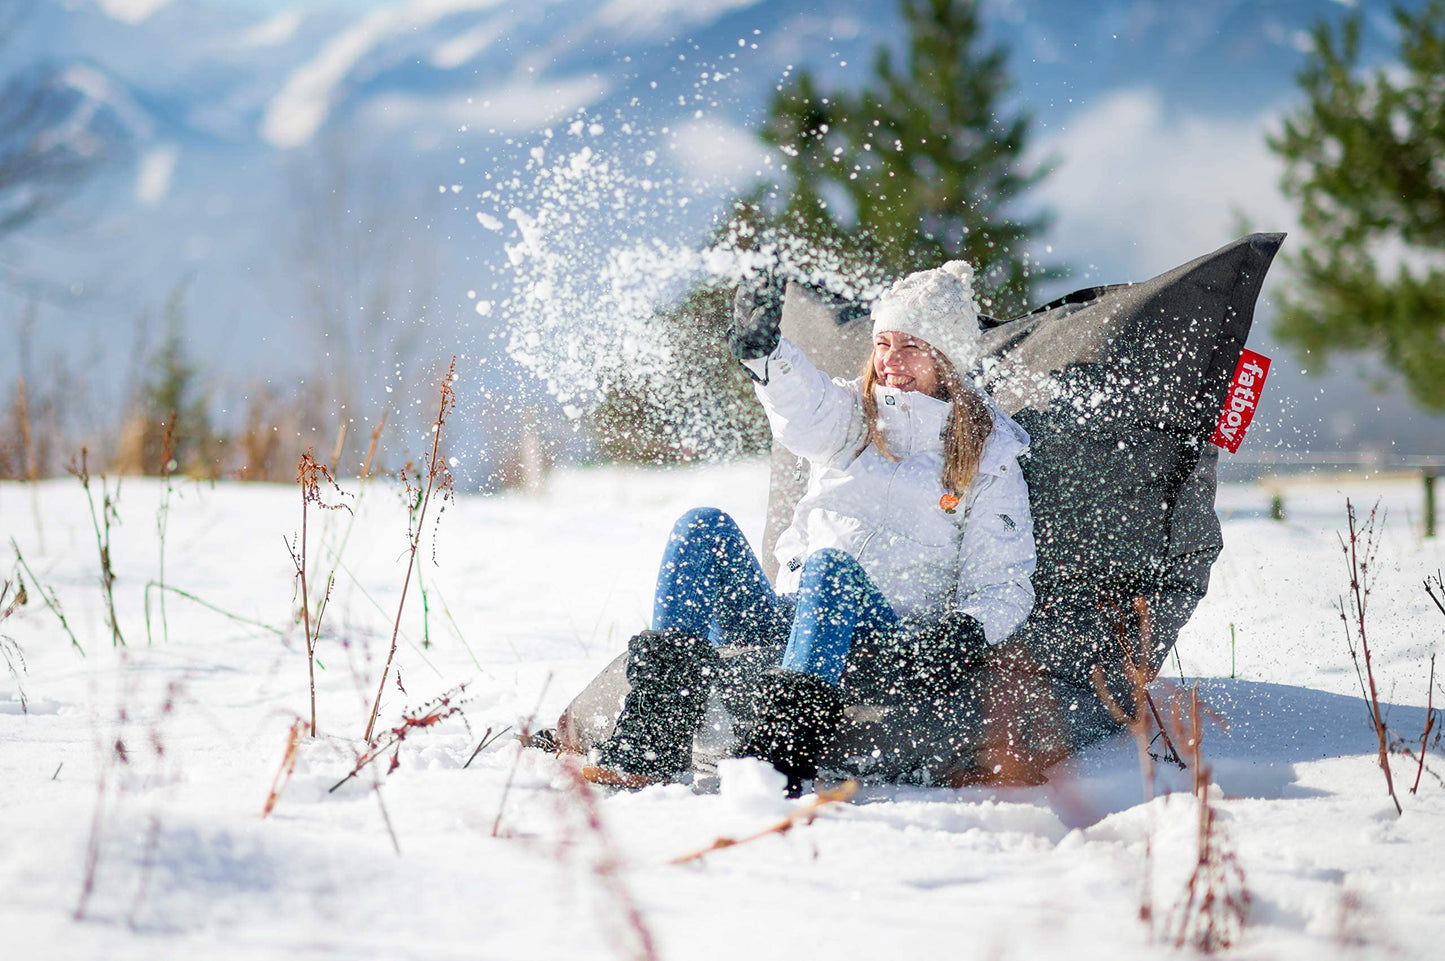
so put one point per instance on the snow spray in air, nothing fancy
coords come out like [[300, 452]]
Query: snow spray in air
[[597, 265]]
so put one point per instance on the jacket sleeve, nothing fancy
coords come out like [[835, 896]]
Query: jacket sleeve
[[810, 414], [997, 556]]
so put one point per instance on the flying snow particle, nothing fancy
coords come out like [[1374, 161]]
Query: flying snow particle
[[484, 307], [488, 221]]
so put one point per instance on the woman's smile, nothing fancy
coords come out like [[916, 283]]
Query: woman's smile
[[905, 363]]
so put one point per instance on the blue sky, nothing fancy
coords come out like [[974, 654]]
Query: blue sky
[[1153, 114]]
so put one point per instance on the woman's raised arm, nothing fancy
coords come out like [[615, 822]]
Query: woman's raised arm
[[811, 415]]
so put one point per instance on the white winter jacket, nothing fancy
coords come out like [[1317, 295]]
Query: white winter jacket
[[887, 513]]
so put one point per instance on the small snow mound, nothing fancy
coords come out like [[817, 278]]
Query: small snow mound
[[12, 704], [752, 786]]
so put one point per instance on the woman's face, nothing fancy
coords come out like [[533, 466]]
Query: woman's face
[[905, 362]]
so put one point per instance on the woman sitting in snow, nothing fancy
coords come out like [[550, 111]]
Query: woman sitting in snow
[[914, 540]]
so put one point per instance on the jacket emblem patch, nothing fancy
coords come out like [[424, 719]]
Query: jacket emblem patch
[[794, 563], [889, 399], [1007, 521]]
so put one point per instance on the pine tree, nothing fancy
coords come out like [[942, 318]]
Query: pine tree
[[169, 428], [1363, 160], [922, 165]]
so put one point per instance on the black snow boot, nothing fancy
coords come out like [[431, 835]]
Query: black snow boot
[[798, 716], [670, 674]]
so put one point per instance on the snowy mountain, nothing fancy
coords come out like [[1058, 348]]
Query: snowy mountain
[[242, 117]]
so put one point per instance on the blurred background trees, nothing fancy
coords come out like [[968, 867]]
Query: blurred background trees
[[699, 404], [924, 163], [46, 156], [1365, 159]]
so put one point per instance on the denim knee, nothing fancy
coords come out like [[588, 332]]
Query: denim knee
[[831, 562], [700, 518]]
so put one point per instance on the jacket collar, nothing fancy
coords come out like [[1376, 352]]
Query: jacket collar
[[1005, 443]]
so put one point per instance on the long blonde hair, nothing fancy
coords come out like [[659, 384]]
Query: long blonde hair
[[967, 429]]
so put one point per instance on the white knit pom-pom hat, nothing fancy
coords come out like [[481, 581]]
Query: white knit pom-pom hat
[[936, 306]]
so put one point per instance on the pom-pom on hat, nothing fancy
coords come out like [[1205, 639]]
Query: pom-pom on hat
[[936, 306]]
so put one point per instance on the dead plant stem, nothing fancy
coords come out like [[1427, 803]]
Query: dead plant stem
[[48, 596], [1429, 726], [434, 469], [1361, 573], [102, 542]]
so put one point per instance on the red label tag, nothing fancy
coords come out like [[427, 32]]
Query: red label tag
[[1243, 397]]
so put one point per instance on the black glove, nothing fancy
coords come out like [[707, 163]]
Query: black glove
[[757, 313], [942, 651]]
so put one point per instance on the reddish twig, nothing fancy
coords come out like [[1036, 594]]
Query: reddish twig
[[803, 814], [1215, 904], [1429, 726], [608, 867], [435, 469], [288, 767], [1144, 673], [430, 714], [1360, 554]]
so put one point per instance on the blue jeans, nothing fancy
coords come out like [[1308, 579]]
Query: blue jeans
[[711, 585]]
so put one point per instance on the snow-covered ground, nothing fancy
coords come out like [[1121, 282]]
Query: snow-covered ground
[[527, 597]]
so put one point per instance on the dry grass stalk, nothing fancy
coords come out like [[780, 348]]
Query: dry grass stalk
[[48, 596], [371, 450], [1360, 551], [524, 739], [360, 493], [608, 866], [309, 475], [22, 410], [1136, 722], [803, 814], [487, 738], [8, 646], [1214, 908], [102, 524], [288, 766], [435, 470], [171, 589], [430, 714], [336, 450], [168, 464]]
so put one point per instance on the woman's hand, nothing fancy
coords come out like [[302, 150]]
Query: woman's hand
[[757, 315]]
